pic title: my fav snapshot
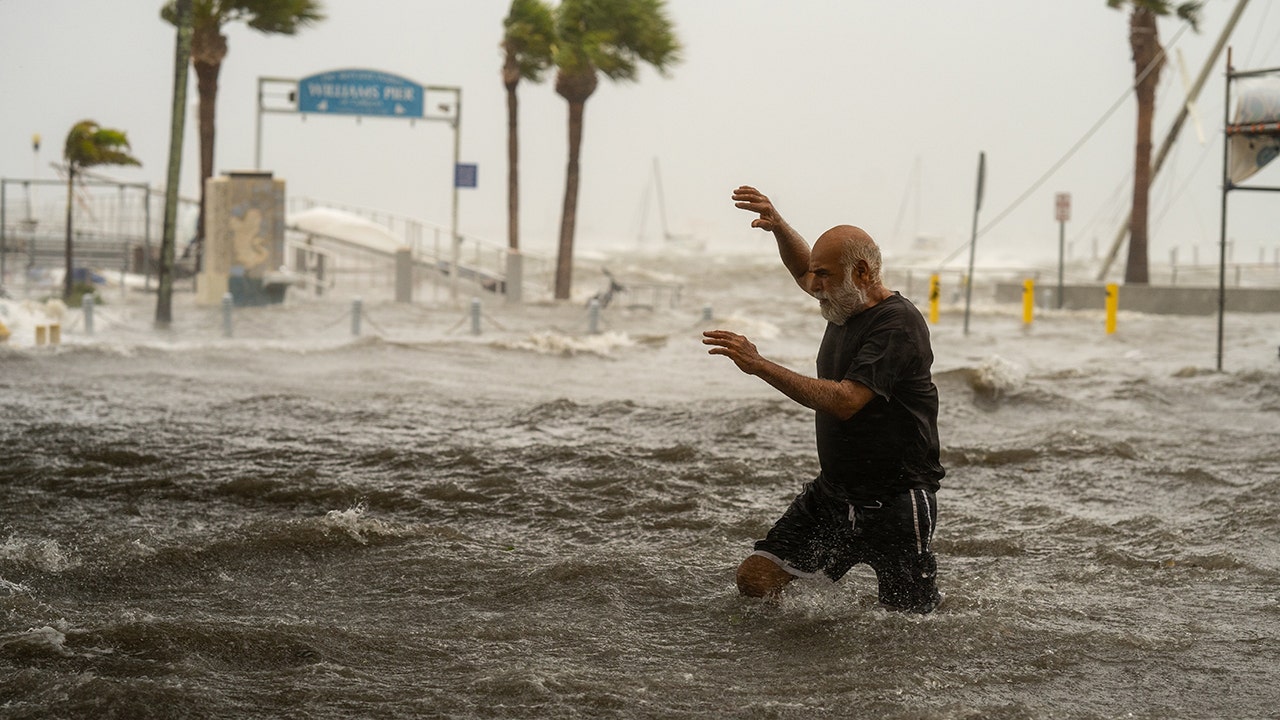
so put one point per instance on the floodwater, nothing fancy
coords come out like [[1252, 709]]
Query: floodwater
[[538, 521]]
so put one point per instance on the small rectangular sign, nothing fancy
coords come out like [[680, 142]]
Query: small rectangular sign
[[360, 92], [465, 175], [1062, 207]]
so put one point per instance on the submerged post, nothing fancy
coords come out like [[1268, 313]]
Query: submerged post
[[86, 306], [935, 294], [357, 307], [404, 275], [475, 316], [514, 283], [1113, 305], [1028, 301], [226, 314], [593, 317]]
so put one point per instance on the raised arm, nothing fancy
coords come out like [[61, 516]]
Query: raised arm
[[792, 248]]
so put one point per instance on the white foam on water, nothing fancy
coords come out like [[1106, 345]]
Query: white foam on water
[[356, 523], [43, 553], [44, 638], [21, 318], [555, 343], [999, 376], [14, 588], [351, 521]]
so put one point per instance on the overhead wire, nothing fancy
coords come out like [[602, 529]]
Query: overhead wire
[[1261, 23], [1074, 148]]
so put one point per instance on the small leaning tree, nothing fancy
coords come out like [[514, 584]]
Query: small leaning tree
[[89, 145]]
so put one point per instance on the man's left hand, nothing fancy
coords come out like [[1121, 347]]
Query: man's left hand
[[735, 347]]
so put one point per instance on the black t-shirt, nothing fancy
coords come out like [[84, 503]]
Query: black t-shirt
[[891, 444]]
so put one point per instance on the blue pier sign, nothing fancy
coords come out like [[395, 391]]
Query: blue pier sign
[[465, 175], [360, 92]]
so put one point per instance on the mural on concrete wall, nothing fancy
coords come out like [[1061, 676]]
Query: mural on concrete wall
[[245, 244]]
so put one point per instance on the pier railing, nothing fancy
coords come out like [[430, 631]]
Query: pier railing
[[482, 263]]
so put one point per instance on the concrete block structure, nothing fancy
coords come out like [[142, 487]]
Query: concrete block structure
[[244, 240]]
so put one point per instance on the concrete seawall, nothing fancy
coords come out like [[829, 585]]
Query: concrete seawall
[[1165, 300]]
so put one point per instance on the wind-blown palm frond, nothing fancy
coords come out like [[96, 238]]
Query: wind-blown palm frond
[[88, 145], [528, 37], [615, 36], [274, 17]]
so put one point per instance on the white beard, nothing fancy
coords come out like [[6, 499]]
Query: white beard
[[845, 302]]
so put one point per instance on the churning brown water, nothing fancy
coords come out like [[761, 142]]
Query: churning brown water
[[539, 522]]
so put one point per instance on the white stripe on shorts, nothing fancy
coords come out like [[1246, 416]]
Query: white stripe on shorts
[[915, 517], [922, 538]]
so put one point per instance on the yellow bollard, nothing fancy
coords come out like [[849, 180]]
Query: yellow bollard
[[55, 334], [935, 294], [4, 332], [1028, 300], [42, 335], [1113, 304]]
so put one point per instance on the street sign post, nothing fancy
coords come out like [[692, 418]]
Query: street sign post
[[1062, 213]]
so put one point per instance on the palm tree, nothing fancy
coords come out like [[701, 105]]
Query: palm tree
[[601, 36], [209, 48], [528, 36], [89, 145], [1148, 60]]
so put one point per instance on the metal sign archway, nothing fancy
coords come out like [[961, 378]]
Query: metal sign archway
[[1251, 141], [367, 93]]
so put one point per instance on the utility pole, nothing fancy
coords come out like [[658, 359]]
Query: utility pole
[[181, 61], [973, 240]]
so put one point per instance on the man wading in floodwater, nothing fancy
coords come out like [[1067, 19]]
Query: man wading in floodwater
[[877, 425]]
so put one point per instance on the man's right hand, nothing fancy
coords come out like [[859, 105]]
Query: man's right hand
[[749, 198], [791, 247]]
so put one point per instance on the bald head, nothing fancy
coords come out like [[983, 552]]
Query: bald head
[[844, 273], [853, 250]]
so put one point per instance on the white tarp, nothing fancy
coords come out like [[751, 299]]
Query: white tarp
[[1258, 103], [345, 227]]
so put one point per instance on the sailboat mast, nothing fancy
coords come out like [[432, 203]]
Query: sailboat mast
[[662, 202]]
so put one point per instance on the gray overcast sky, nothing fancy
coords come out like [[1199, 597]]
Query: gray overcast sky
[[833, 107]]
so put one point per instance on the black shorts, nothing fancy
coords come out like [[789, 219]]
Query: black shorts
[[822, 534]]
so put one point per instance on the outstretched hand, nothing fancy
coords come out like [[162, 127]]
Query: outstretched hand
[[735, 347], [749, 198]]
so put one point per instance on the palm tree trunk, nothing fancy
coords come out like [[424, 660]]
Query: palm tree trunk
[[1146, 50], [66, 281], [208, 48], [569, 214], [513, 168]]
